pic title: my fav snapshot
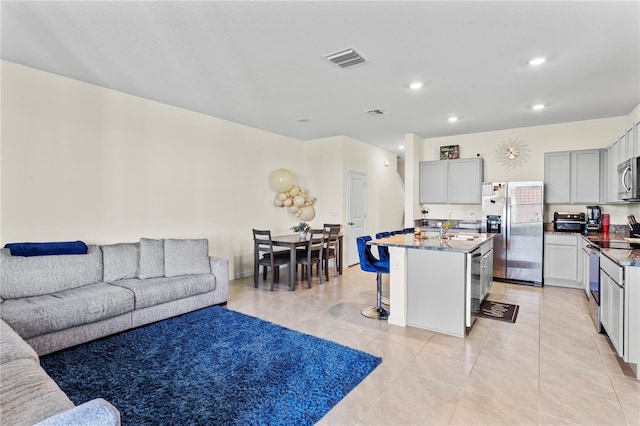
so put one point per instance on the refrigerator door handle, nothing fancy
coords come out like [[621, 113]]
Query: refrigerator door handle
[[507, 222]]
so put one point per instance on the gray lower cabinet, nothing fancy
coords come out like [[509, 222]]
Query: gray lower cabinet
[[451, 181], [572, 176], [436, 290], [612, 302], [444, 287], [561, 263]]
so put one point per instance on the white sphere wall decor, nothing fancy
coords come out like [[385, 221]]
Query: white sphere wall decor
[[281, 180], [290, 196]]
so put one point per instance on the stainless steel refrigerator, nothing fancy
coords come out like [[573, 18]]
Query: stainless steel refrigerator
[[513, 211]]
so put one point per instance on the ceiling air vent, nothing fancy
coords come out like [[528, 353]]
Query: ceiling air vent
[[345, 57], [377, 111]]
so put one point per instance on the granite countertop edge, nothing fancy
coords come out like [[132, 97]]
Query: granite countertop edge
[[622, 257], [433, 243]]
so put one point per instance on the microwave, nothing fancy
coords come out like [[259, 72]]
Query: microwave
[[629, 180]]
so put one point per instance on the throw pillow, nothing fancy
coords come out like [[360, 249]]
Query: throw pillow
[[120, 261], [151, 258], [186, 257]]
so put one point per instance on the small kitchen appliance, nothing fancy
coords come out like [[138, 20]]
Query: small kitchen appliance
[[568, 222], [629, 180], [594, 215]]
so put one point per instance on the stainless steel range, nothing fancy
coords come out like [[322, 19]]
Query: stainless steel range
[[593, 250]]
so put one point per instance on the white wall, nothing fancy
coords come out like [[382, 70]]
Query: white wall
[[385, 195], [328, 162], [540, 139], [323, 162], [78, 161], [84, 162]]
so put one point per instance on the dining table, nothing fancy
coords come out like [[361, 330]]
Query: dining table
[[292, 242]]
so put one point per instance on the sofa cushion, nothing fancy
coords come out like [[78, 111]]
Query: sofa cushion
[[13, 346], [156, 291], [42, 275], [34, 316], [28, 395], [186, 257], [120, 261], [151, 258]]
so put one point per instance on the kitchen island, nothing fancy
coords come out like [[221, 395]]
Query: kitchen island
[[438, 283]]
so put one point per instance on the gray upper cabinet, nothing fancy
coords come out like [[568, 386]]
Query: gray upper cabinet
[[557, 170], [610, 174], [630, 143], [434, 182], [451, 181], [585, 176], [572, 177], [465, 181], [636, 139]]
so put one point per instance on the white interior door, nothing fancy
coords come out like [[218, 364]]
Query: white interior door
[[357, 215]]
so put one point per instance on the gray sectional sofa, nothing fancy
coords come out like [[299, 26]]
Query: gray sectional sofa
[[48, 303]]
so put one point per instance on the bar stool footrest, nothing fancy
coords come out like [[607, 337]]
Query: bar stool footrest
[[376, 313]]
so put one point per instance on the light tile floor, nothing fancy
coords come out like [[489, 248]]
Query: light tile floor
[[549, 368]]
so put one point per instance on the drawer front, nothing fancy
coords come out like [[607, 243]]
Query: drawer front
[[569, 240], [612, 269]]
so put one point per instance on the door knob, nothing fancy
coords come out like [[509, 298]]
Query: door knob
[[351, 223]]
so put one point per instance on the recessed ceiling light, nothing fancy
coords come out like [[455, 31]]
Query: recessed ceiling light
[[452, 119], [538, 106], [538, 61], [400, 146], [416, 85]]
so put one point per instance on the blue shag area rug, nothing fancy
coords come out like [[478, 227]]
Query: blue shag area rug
[[212, 366]]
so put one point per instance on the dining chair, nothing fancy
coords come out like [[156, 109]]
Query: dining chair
[[311, 255], [264, 255], [331, 225], [330, 251]]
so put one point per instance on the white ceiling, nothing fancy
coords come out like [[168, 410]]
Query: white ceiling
[[260, 63]]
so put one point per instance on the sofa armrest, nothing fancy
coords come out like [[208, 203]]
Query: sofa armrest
[[96, 412], [220, 269]]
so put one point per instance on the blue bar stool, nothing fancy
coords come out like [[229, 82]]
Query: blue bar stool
[[383, 251], [369, 263]]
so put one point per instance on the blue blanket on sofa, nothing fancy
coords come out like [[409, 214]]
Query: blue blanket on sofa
[[47, 249]]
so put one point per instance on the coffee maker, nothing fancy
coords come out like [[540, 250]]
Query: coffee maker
[[594, 215]]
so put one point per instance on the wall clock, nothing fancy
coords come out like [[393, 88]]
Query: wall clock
[[512, 153]]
